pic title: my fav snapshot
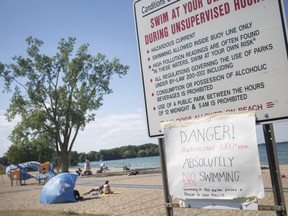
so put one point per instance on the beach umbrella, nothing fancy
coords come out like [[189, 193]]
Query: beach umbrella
[[59, 189]]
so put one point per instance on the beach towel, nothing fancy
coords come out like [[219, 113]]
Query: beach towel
[[115, 192]]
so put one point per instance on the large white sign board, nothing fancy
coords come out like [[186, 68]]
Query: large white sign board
[[202, 57], [213, 158]]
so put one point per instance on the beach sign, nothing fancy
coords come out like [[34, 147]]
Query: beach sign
[[203, 57], [213, 158]]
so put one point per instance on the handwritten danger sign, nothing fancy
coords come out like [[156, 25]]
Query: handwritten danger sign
[[203, 57], [213, 158]]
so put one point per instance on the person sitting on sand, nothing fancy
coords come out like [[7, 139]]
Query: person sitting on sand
[[95, 189], [106, 188]]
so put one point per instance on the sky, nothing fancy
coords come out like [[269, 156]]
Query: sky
[[108, 27]]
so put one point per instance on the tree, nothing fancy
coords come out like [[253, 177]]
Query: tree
[[91, 156], [141, 153], [4, 161], [23, 149], [30, 151], [82, 157], [58, 95], [74, 158]]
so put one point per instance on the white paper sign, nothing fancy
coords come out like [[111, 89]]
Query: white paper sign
[[213, 158]]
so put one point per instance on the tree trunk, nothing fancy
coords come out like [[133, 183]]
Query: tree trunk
[[64, 160]]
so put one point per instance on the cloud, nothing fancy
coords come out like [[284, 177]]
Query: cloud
[[114, 131], [116, 120], [6, 128], [105, 132]]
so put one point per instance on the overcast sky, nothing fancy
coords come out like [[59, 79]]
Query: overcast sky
[[108, 26]]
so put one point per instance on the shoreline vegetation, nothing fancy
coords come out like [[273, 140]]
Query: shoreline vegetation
[[119, 153]]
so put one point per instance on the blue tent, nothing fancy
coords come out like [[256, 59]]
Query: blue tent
[[59, 189]]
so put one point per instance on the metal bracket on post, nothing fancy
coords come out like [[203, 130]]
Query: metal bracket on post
[[274, 169], [277, 208], [171, 205], [167, 197]]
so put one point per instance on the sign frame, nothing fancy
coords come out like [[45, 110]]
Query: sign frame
[[270, 109]]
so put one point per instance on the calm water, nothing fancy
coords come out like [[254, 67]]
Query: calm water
[[282, 150], [154, 162], [146, 162]]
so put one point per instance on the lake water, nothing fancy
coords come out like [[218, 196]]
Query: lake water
[[144, 162], [282, 150], [154, 162]]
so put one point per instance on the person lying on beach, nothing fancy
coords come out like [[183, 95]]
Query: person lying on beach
[[103, 189], [95, 189], [133, 172]]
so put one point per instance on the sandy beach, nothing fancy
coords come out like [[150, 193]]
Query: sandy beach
[[136, 195]]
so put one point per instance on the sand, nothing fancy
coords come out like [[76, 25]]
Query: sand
[[136, 195]]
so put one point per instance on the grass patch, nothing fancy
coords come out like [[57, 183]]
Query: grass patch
[[43, 213]]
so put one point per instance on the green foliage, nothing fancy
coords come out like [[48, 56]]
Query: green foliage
[[24, 150], [56, 96], [4, 160], [73, 158], [130, 151], [24, 153], [81, 157]]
